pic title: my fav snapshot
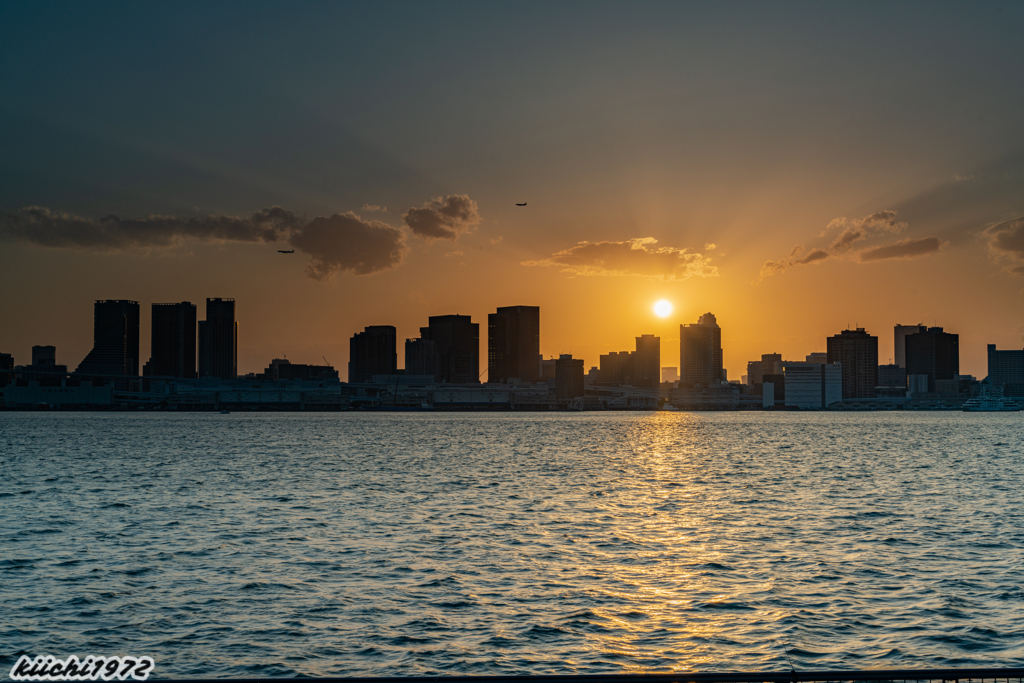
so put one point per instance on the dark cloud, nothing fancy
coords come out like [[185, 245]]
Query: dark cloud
[[43, 227], [342, 242], [345, 242], [853, 230], [443, 219], [1006, 241], [908, 248], [637, 257]]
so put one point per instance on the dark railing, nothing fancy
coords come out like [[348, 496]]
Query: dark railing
[[943, 675]]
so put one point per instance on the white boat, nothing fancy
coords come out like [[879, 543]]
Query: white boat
[[990, 401]]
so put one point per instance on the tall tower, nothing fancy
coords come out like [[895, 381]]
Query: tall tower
[[513, 344], [934, 353], [457, 342], [899, 346], [857, 352], [115, 339], [218, 340], [173, 340], [374, 351], [700, 352], [647, 362]]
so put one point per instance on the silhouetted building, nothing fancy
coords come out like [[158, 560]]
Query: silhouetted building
[[779, 382], [616, 368], [547, 370], [899, 347], [218, 340], [700, 352], [812, 385], [819, 357], [374, 351], [457, 340], [6, 366], [420, 357], [770, 364], [115, 339], [857, 352], [173, 341], [283, 369], [647, 362], [44, 355], [934, 353], [669, 375], [892, 376], [513, 344], [44, 368], [568, 377], [1006, 370]]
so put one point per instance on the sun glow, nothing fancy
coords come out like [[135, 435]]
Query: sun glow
[[663, 309]]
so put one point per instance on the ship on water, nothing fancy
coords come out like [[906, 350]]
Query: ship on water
[[990, 401]]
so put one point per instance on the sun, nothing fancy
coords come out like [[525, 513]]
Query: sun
[[663, 309]]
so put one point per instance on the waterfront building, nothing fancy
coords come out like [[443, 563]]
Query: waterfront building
[[6, 366], [568, 377], [819, 357], [372, 352], [647, 362], [513, 344], [218, 340], [420, 357], [1006, 371], [616, 368], [812, 385], [933, 353], [284, 369], [115, 339], [892, 376], [173, 341], [700, 352], [857, 352], [770, 364], [900, 333], [457, 341], [547, 370]]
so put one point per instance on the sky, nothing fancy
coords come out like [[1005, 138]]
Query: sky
[[794, 168]]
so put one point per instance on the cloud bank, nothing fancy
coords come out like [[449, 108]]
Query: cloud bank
[[851, 232], [1006, 242], [443, 219], [346, 243], [637, 257]]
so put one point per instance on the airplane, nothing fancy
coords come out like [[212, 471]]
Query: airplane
[[281, 251], [523, 204]]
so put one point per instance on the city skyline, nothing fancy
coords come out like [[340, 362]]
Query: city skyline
[[741, 162]]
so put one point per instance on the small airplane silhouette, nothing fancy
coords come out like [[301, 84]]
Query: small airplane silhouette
[[281, 251], [523, 204]]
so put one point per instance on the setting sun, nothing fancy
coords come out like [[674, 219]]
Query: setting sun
[[663, 309]]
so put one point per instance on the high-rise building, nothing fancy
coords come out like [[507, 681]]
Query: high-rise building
[[899, 347], [44, 356], [857, 352], [1006, 370], [115, 339], [173, 341], [892, 376], [420, 357], [218, 340], [934, 353], [513, 344], [616, 368], [6, 369], [770, 364], [819, 357], [700, 352], [647, 362], [812, 385], [568, 377], [457, 341], [374, 351]]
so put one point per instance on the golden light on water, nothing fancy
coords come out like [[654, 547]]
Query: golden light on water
[[663, 308]]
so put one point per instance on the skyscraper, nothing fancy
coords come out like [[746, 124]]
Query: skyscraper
[[700, 352], [899, 348], [568, 377], [857, 352], [616, 368], [218, 340], [513, 344], [420, 357], [647, 362], [173, 340], [115, 339], [372, 352], [934, 353], [457, 341], [1006, 370]]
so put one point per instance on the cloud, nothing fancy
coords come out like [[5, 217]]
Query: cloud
[[345, 242], [637, 257], [908, 248], [1006, 240], [851, 231], [46, 228], [371, 208], [710, 246], [342, 242], [443, 219]]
